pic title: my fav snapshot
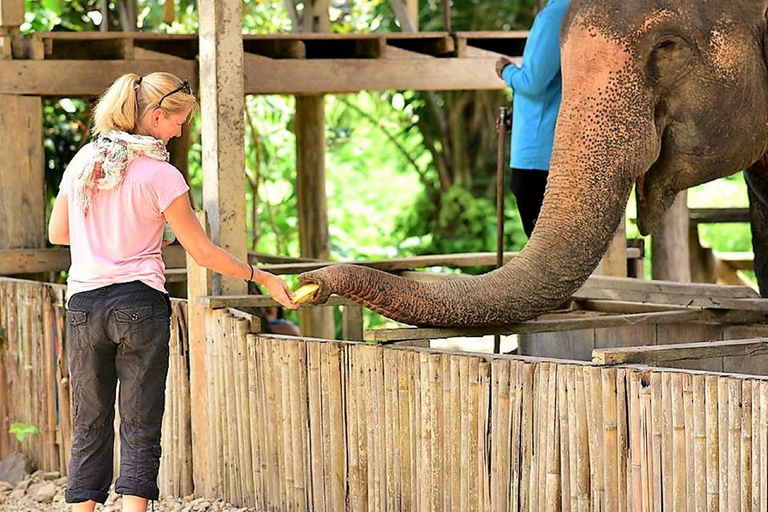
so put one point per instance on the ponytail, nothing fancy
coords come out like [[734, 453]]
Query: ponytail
[[131, 96], [117, 108]]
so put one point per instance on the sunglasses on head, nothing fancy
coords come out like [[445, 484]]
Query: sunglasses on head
[[183, 87]]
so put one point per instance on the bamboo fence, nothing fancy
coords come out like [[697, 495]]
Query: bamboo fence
[[304, 424], [34, 383], [333, 425]]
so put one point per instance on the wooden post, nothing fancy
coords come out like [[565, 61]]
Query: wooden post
[[11, 13], [669, 245], [222, 109], [22, 167], [199, 283], [614, 262], [313, 208]]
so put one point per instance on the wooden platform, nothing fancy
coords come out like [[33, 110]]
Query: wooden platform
[[85, 63]]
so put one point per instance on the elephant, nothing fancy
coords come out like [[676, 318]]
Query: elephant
[[659, 95]]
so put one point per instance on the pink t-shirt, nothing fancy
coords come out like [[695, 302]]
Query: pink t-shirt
[[120, 239]]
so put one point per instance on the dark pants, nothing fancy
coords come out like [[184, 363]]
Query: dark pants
[[117, 333], [528, 185]]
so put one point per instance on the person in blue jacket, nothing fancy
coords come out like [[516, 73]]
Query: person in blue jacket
[[537, 90]]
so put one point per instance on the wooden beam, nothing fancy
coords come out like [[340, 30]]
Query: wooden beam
[[715, 215], [256, 301], [351, 75], [80, 77], [654, 354], [222, 127], [31, 261]]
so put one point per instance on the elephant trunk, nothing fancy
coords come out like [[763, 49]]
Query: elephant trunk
[[604, 141]]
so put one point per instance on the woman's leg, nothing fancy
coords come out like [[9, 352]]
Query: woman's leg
[[93, 380], [142, 327]]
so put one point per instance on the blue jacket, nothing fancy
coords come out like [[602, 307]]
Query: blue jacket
[[537, 88]]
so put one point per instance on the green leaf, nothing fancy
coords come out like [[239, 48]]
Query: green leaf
[[23, 430]]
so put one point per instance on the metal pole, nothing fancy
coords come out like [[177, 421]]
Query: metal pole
[[500, 168], [447, 15]]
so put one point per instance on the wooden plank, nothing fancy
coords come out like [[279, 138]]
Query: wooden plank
[[547, 323], [675, 352], [618, 285]]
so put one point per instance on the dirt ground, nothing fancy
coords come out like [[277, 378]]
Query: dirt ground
[[44, 492]]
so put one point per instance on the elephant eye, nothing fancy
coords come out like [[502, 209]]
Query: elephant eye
[[665, 44]]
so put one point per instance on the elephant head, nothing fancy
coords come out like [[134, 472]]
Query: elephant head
[[667, 95]]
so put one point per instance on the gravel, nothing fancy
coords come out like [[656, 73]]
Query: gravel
[[44, 491]]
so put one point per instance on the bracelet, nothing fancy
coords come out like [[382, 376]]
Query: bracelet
[[250, 279]]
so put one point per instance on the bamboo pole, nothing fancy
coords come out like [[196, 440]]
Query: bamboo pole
[[449, 447], [319, 455], [756, 454], [335, 356], [734, 444], [746, 443], [667, 462], [553, 450], [635, 494], [500, 432], [526, 436], [723, 441], [563, 438], [356, 501], [679, 475], [622, 434], [391, 430], [583, 462], [257, 424], [594, 394], [610, 450], [646, 443], [763, 446], [699, 448], [516, 396], [690, 462], [453, 424], [712, 443], [656, 441]]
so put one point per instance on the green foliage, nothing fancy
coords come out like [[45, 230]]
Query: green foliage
[[22, 431]]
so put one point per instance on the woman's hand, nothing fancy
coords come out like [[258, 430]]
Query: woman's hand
[[276, 288]]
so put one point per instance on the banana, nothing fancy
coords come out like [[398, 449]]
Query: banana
[[304, 293]]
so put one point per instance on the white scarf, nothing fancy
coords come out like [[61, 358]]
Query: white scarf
[[115, 150]]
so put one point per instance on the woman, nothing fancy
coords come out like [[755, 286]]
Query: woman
[[114, 199]]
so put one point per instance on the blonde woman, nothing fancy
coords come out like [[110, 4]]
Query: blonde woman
[[115, 196]]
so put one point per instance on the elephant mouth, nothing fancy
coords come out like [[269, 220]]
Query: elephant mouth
[[653, 200]]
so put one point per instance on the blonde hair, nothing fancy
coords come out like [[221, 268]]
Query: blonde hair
[[131, 96]]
